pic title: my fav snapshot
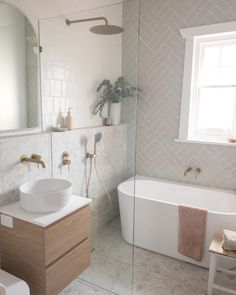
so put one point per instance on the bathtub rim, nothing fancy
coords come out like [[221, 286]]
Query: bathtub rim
[[140, 177]]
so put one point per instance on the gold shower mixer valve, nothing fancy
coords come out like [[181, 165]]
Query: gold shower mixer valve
[[91, 156], [66, 160]]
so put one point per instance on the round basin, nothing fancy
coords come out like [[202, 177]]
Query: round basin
[[45, 195]]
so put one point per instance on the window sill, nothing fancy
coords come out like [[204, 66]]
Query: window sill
[[224, 143]]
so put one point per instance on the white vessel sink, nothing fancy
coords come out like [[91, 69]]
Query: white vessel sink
[[45, 195]]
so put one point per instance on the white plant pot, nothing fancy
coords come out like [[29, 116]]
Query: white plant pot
[[115, 113]]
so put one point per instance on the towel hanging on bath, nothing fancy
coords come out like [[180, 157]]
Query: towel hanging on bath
[[192, 230]]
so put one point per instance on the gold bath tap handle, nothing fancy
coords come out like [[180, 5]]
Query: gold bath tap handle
[[187, 170]]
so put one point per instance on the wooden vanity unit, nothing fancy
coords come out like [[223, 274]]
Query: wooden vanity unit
[[48, 257]]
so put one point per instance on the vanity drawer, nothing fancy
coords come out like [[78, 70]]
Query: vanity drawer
[[66, 234], [66, 269]]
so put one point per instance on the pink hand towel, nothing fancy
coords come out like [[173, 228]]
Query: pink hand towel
[[192, 229]]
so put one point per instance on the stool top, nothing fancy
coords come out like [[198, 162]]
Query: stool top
[[216, 247]]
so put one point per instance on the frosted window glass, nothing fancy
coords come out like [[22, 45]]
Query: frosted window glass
[[209, 76], [216, 108], [218, 66], [211, 56], [228, 55], [227, 76]]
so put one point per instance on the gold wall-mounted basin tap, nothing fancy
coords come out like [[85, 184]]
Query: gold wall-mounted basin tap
[[33, 159]]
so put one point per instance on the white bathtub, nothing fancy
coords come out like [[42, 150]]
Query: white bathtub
[[154, 213]]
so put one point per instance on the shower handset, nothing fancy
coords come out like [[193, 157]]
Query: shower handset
[[97, 138], [92, 158]]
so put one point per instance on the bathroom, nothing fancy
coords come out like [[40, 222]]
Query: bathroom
[[103, 142]]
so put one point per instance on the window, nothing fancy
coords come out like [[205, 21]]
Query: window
[[208, 110]]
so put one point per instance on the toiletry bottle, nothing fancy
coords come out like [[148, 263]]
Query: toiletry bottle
[[68, 120]]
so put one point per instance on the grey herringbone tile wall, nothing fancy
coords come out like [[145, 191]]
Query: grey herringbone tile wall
[[160, 78], [130, 71]]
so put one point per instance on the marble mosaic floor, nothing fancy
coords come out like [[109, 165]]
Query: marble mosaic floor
[[112, 270]]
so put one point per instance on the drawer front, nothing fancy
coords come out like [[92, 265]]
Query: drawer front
[[66, 234], [23, 242], [69, 267]]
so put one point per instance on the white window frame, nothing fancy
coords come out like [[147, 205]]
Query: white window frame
[[193, 37]]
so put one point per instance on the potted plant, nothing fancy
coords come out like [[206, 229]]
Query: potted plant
[[114, 95]]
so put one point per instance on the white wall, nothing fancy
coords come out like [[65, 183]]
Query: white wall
[[12, 70]]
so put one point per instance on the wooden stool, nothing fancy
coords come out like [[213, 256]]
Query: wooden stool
[[216, 252]]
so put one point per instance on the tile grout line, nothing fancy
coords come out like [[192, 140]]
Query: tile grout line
[[94, 285]]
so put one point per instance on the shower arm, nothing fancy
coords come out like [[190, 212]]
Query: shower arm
[[69, 22]]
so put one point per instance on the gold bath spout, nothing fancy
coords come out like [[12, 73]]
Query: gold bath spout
[[188, 169]]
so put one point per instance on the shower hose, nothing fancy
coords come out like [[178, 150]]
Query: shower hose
[[92, 161]]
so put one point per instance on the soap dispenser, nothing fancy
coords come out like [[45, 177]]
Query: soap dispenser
[[68, 120]]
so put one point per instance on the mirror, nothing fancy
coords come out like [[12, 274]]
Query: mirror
[[19, 56]]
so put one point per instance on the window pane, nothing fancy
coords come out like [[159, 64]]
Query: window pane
[[211, 56], [228, 55], [227, 76], [209, 76], [215, 108], [217, 65]]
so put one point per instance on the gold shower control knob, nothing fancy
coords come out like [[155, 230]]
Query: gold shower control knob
[[66, 159], [66, 162]]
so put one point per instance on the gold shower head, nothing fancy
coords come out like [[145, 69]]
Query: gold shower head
[[99, 29], [106, 30]]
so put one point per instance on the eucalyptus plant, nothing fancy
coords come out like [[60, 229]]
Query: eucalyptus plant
[[113, 93]]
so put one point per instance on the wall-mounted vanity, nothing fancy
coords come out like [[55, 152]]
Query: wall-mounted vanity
[[48, 251]]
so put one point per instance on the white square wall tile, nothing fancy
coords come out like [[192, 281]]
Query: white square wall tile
[[50, 105], [16, 173], [56, 88], [46, 87], [58, 72]]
